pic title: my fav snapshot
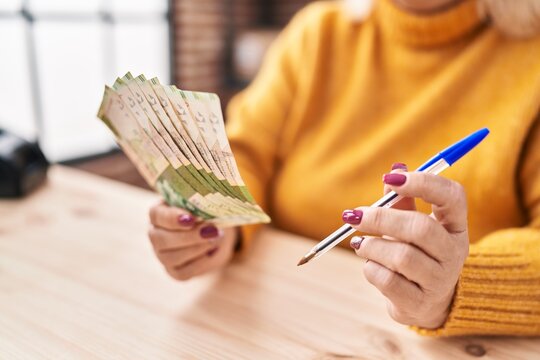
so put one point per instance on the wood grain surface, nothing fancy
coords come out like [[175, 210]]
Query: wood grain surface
[[78, 280]]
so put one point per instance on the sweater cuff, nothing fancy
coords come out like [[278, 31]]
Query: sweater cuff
[[495, 295]]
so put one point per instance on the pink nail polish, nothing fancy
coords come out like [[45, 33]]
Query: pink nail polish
[[209, 231], [400, 166], [353, 217], [186, 220], [394, 179], [356, 242]]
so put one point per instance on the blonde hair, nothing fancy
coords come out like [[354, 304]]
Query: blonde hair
[[517, 18]]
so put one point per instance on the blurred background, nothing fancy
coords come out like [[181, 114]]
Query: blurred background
[[57, 55]]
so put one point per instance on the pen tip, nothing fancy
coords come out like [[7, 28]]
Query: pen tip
[[306, 258]]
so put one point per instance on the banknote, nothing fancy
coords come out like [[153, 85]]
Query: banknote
[[177, 141], [129, 90], [180, 143]]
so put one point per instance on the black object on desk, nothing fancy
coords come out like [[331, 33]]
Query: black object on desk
[[23, 166]]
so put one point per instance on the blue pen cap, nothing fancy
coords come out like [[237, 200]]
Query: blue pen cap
[[456, 151]]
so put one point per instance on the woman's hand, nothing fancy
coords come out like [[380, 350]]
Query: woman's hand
[[185, 247], [417, 263]]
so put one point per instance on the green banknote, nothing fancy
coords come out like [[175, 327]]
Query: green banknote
[[177, 142], [222, 193]]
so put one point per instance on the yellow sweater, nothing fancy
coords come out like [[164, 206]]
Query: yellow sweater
[[337, 102]]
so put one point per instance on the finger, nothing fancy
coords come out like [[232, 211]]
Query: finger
[[409, 226], [202, 264], [396, 168], [171, 218], [403, 258], [400, 291], [212, 259], [179, 258], [447, 197], [406, 203], [401, 316], [166, 239], [190, 269]]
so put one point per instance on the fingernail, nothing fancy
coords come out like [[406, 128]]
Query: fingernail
[[394, 179], [209, 231], [356, 242], [186, 219], [400, 166], [353, 217], [211, 252], [215, 239]]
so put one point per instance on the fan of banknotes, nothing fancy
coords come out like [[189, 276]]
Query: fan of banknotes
[[177, 141]]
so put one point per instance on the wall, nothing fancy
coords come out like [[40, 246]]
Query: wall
[[204, 35]]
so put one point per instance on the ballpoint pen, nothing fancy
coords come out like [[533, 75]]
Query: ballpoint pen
[[435, 165]]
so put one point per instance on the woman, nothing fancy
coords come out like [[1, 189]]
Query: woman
[[339, 100]]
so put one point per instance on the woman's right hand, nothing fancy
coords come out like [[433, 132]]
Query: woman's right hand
[[186, 247]]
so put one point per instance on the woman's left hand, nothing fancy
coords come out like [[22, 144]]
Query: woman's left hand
[[417, 260]]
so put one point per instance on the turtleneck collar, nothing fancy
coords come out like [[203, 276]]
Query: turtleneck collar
[[430, 29]]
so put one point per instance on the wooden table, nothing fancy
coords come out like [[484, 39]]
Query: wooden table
[[78, 279]]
